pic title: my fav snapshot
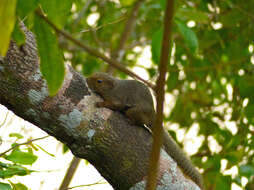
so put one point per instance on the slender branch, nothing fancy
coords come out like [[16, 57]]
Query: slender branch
[[2, 124], [87, 185], [160, 92], [94, 52], [128, 27], [82, 12], [69, 174], [24, 143], [119, 51], [104, 25]]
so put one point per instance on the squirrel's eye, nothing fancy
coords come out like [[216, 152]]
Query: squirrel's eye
[[99, 81]]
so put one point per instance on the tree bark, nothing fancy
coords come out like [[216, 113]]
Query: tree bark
[[119, 151]]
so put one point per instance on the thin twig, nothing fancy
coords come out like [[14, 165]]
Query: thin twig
[[103, 25], [27, 142], [130, 23], [2, 124], [87, 185], [160, 93], [82, 12], [94, 52], [128, 27]]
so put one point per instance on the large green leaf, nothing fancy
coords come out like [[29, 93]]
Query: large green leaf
[[18, 156], [223, 182], [17, 135], [19, 186], [11, 170], [156, 45], [191, 14], [24, 7], [188, 35], [51, 58], [57, 10], [126, 2], [5, 186], [7, 21], [172, 80]]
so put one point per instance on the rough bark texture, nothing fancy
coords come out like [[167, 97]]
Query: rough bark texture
[[118, 150]]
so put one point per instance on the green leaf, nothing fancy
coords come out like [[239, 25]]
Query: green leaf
[[7, 21], [5, 186], [45, 151], [51, 58], [126, 2], [249, 111], [17, 156], [188, 35], [57, 10], [18, 35], [24, 7], [65, 148], [156, 45], [246, 86], [223, 182], [234, 157], [191, 14], [17, 135], [19, 186], [247, 170], [172, 80], [163, 4], [12, 170]]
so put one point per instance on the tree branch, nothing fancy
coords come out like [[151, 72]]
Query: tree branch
[[71, 117], [70, 172], [128, 28], [160, 93], [19, 144], [108, 60]]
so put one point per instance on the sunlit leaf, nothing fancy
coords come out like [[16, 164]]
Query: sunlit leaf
[[188, 35], [191, 14], [51, 58], [5, 186], [127, 2], [17, 135], [156, 45], [45, 150], [163, 4], [172, 79], [19, 186], [18, 156], [57, 10], [24, 7], [7, 22], [12, 170]]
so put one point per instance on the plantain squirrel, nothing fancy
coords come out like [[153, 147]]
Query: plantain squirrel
[[134, 99]]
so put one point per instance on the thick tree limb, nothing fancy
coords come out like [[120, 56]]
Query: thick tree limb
[[118, 150]]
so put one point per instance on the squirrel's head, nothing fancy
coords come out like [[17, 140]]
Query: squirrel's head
[[101, 82]]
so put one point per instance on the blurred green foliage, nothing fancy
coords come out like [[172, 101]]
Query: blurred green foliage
[[13, 161], [211, 75]]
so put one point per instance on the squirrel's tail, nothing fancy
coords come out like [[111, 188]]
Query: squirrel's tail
[[181, 159]]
